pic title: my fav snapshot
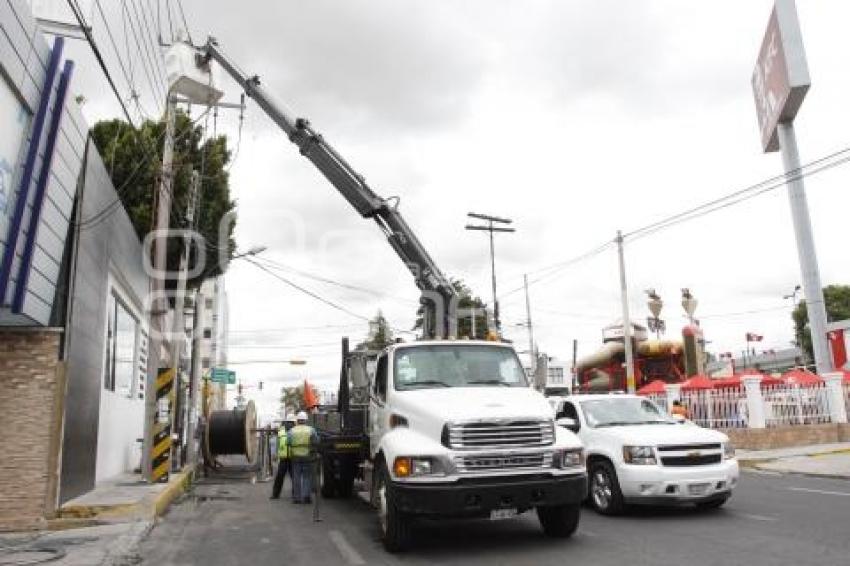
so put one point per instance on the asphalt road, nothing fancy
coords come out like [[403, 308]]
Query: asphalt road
[[771, 520]]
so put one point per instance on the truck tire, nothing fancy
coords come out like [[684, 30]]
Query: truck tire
[[395, 525], [327, 485], [559, 521], [345, 481], [605, 495]]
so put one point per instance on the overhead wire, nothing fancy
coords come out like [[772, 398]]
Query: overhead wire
[[185, 23]]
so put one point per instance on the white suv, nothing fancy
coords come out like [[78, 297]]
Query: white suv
[[637, 453]]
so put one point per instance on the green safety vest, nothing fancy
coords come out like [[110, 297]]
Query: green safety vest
[[282, 444], [299, 446]]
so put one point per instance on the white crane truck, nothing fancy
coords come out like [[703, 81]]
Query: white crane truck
[[441, 427]]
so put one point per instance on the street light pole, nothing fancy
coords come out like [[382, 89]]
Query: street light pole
[[627, 324], [490, 227], [793, 296]]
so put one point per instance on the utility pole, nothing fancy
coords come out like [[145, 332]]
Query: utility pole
[[491, 228], [157, 433], [627, 324], [574, 371], [531, 354], [178, 331], [194, 381]]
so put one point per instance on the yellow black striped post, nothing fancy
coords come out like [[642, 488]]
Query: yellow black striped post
[[161, 453]]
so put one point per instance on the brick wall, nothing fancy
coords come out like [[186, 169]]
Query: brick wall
[[786, 436], [31, 396]]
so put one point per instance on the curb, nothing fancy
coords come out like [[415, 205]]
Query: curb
[[148, 508]]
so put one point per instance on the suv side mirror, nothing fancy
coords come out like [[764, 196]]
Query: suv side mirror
[[568, 423]]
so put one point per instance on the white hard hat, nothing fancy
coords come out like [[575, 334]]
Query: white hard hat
[[301, 416]]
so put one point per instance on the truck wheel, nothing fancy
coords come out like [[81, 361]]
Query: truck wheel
[[395, 525], [345, 482], [605, 494], [559, 521], [326, 478]]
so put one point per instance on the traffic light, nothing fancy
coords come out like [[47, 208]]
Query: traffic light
[[260, 386]]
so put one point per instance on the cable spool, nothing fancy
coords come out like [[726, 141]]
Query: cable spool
[[232, 433]]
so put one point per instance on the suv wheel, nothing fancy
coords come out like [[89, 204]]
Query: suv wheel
[[605, 494]]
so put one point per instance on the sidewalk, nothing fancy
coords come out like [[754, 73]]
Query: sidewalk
[[104, 526], [819, 460]]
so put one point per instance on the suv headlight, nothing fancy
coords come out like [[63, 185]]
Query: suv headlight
[[417, 467], [728, 450], [639, 455], [570, 458]]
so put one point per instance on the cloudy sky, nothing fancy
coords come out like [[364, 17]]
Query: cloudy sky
[[574, 118]]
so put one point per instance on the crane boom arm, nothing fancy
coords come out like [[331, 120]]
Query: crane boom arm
[[438, 292]]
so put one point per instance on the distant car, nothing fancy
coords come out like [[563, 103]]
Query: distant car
[[637, 453]]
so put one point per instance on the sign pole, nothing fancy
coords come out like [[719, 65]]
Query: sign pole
[[812, 288], [627, 323]]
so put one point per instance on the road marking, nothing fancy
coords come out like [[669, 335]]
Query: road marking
[[753, 517], [344, 547], [589, 534], [821, 491]]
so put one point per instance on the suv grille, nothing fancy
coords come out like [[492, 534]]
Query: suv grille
[[500, 434], [690, 454], [489, 462]]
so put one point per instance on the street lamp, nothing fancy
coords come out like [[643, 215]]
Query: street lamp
[[491, 228], [255, 250], [654, 322], [793, 296]]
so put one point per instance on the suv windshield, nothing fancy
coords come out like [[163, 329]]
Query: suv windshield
[[621, 411], [456, 366]]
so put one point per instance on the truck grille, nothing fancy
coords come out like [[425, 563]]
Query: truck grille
[[500, 434], [500, 462], [690, 454]]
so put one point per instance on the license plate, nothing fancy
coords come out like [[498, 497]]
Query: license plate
[[501, 514], [698, 488]]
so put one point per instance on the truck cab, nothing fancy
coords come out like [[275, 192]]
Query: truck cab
[[455, 430]]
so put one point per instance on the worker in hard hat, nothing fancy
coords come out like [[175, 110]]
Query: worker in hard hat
[[283, 457], [302, 441]]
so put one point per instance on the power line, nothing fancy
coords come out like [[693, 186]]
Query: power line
[[340, 284], [305, 291], [813, 167], [558, 267], [185, 23], [739, 313], [292, 328]]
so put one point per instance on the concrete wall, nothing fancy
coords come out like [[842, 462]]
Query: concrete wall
[[109, 256], [786, 436], [31, 392]]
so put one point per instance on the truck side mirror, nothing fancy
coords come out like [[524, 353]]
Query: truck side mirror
[[567, 423]]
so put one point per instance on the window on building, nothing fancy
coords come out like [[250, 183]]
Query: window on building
[[205, 362], [15, 119], [207, 332], [208, 303], [122, 329], [556, 375]]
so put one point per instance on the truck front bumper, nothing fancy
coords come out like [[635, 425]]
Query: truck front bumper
[[470, 497]]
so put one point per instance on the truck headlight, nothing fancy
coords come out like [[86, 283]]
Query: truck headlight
[[640, 455], [728, 450], [413, 466], [571, 458]]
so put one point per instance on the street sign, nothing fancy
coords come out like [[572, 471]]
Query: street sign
[[223, 375], [781, 77]]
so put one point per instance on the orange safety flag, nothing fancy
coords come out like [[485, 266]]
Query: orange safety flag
[[311, 399]]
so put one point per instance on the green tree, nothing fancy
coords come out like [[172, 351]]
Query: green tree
[[467, 300], [837, 302], [292, 399], [380, 334], [133, 158]]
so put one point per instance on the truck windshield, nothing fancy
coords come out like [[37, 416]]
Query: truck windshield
[[441, 366], [622, 411]]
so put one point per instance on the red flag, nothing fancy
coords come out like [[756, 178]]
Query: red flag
[[838, 347], [753, 337]]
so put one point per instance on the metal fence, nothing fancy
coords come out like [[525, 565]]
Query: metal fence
[[717, 408], [795, 405]]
